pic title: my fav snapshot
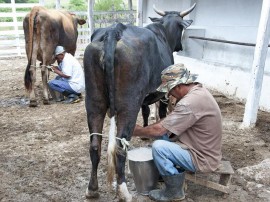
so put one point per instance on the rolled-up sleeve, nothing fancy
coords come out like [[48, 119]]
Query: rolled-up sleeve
[[179, 120]]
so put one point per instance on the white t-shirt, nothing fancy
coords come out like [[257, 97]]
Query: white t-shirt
[[71, 67]]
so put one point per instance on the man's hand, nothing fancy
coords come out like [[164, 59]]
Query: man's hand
[[54, 68], [137, 129], [153, 130], [50, 68]]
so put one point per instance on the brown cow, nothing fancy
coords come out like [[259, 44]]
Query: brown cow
[[44, 29]]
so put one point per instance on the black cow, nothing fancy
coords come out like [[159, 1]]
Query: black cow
[[122, 66]]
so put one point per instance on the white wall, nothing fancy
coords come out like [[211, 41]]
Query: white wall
[[234, 20], [229, 80]]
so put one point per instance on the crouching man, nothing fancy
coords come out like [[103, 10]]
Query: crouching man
[[70, 79], [197, 127]]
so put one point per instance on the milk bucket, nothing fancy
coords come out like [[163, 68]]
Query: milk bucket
[[143, 169]]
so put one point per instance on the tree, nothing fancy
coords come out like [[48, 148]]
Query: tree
[[77, 5], [106, 5]]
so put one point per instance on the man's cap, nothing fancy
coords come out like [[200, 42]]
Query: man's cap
[[174, 75], [59, 50]]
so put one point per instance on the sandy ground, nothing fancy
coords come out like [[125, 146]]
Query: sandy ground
[[44, 150]]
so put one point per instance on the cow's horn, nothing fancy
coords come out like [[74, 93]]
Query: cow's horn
[[162, 13], [184, 13]]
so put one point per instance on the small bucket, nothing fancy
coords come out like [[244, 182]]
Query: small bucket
[[143, 169]]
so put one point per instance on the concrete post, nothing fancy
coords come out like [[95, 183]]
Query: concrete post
[[57, 4], [130, 5], [253, 99], [41, 2], [91, 16], [139, 19]]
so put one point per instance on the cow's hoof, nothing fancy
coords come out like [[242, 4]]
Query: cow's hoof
[[33, 103], [91, 194], [46, 102]]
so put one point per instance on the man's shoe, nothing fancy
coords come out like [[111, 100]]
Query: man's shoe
[[72, 98], [80, 96], [173, 190], [56, 96]]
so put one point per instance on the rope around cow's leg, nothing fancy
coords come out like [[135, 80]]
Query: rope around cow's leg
[[123, 141]]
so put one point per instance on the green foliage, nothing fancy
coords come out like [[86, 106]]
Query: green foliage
[[107, 5], [77, 5], [20, 1]]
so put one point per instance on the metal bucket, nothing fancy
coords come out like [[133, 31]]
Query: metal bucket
[[143, 169]]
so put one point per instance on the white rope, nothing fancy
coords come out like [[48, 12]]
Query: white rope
[[48, 66], [165, 101], [124, 142]]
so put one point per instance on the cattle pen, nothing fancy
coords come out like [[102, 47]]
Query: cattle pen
[[11, 30]]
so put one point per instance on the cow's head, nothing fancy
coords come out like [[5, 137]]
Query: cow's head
[[77, 20], [174, 23]]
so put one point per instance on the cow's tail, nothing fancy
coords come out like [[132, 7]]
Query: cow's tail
[[32, 24], [110, 41]]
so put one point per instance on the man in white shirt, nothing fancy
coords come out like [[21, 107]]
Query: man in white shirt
[[70, 80]]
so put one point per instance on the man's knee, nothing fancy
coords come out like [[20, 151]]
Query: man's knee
[[49, 83], [157, 145]]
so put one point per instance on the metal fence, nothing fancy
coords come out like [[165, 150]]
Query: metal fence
[[11, 27]]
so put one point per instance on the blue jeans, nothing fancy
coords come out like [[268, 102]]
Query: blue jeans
[[59, 84], [170, 158]]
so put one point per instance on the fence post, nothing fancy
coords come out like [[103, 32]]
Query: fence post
[[57, 4], [139, 13], [130, 5], [15, 22], [41, 2], [91, 16]]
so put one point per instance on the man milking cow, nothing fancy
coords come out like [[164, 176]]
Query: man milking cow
[[69, 81], [196, 125]]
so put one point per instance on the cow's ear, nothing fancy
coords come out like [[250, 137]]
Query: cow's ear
[[156, 20], [81, 21], [186, 23]]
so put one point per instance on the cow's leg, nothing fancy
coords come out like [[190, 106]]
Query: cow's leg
[[162, 110], [44, 75], [95, 124], [145, 114], [123, 192], [148, 100], [33, 101], [125, 127], [95, 153]]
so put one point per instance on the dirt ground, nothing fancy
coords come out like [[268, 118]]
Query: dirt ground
[[44, 150]]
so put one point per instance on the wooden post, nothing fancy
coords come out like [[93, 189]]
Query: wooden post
[[91, 4], [130, 5], [139, 20], [41, 2], [16, 28], [57, 4], [253, 99]]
